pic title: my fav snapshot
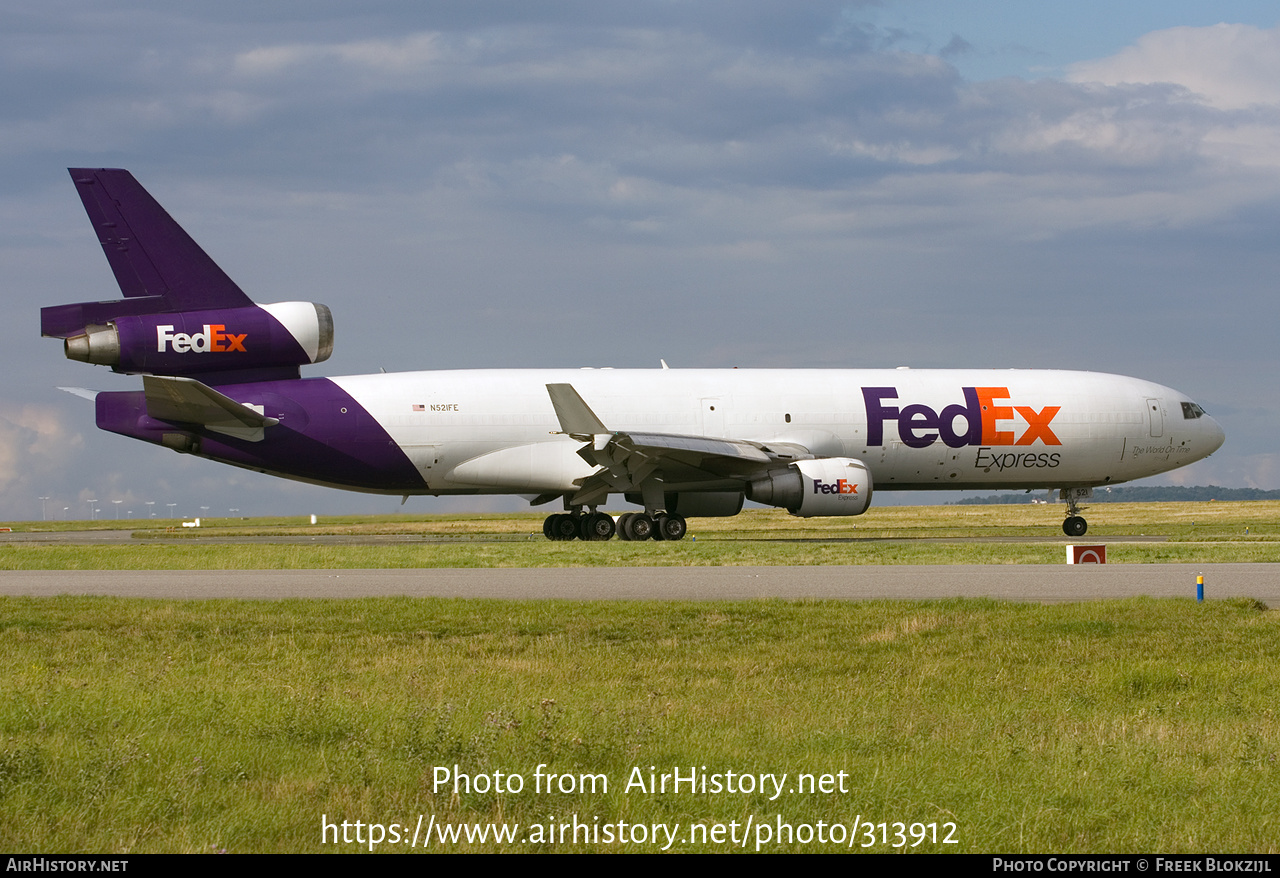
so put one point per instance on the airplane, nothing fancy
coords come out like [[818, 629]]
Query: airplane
[[221, 379]]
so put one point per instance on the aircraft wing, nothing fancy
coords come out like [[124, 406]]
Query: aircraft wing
[[628, 459], [186, 400]]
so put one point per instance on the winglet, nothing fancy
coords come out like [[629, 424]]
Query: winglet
[[576, 417]]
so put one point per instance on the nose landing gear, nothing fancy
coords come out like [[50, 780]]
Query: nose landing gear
[[1075, 525]]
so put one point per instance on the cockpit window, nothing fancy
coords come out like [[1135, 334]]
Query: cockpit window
[[1191, 411]]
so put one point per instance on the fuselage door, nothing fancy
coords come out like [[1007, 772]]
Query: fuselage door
[[712, 416], [1155, 415]]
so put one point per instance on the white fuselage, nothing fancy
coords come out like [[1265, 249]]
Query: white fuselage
[[496, 431]]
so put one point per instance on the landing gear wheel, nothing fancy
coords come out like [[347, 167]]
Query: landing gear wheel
[[624, 522], [565, 527], [672, 527], [1075, 526], [596, 527], [640, 526]]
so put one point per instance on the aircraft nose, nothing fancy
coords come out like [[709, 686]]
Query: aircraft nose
[[1214, 435]]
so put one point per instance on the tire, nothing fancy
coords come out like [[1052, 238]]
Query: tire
[[641, 526], [565, 527], [672, 527], [624, 522], [1075, 526], [597, 527]]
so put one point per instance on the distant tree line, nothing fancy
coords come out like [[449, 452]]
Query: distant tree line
[[1136, 494]]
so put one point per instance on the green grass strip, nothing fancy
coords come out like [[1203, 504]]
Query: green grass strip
[[1160, 532], [543, 554], [1137, 725]]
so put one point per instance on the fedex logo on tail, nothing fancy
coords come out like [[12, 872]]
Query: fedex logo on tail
[[840, 486], [976, 421], [213, 339]]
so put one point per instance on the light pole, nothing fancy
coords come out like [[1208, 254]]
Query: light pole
[[117, 502], [44, 512]]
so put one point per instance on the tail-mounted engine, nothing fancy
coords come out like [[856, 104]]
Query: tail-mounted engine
[[181, 315], [827, 486], [287, 334]]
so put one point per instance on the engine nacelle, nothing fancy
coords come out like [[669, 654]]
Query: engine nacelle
[[218, 340], [827, 486]]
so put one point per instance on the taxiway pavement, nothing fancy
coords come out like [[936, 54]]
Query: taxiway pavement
[[1015, 582]]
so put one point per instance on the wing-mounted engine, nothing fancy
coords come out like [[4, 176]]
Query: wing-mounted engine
[[825, 486], [636, 465]]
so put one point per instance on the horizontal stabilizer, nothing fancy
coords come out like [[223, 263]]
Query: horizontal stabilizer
[[185, 400], [62, 321], [81, 392]]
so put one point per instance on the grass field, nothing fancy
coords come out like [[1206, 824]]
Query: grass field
[[1117, 726], [130, 726], [1186, 532], [1209, 520]]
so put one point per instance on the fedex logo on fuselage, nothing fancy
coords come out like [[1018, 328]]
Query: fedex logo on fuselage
[[214, 339], [981, 421], [839, 486]]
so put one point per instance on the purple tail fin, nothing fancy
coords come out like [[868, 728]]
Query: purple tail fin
[[158, 266], [181, 315]]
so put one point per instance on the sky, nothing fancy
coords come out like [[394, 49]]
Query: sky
[[510, 184]]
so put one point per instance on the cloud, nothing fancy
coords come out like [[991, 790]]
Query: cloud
[[956, 46], [397, 57], [463, 183], [34, 444], [1230, 69], [1226, 66], [667, 127]]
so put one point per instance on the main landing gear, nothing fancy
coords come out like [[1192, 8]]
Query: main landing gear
[[599, 526]]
